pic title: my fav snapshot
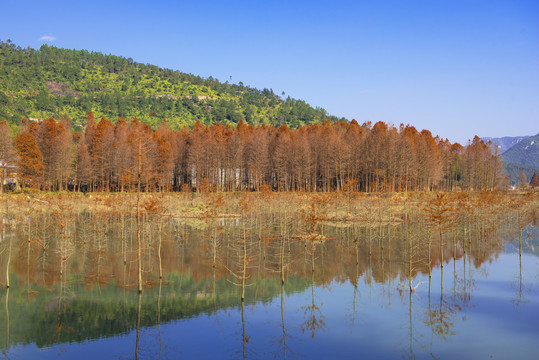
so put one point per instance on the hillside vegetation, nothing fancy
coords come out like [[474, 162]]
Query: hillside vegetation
[[526, 152], [524, 156], [513, 172], [55, 82], [504, 143]]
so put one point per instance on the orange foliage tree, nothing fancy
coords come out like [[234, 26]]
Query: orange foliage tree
[[30, 160], [328, 156]]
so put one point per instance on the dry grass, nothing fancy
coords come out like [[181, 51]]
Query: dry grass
[[369, 209]]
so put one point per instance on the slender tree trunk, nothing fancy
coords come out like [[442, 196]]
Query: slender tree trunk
[[244, 266], [139, 255], [159, 249], [8, 254], [520, 262], [442, 264], [7, 218], [283, 240], [3, 175]]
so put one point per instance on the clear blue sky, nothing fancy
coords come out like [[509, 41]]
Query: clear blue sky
[[457, 68]]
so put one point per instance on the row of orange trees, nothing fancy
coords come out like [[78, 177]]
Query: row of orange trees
[[321, 157]]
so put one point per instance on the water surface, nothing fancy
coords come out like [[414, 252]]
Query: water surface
[[345, 293]]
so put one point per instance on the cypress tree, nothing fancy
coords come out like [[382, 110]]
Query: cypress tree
[[534, 182]]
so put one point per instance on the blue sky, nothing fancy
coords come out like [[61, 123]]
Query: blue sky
[[457, 68]]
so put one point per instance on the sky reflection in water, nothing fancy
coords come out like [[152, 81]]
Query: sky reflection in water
[[485, 312]]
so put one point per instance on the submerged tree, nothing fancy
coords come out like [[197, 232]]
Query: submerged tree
[[439, 213]]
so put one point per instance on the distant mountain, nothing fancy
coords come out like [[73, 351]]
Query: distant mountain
[[524, 156], [526, 152], [506, 142], [51, 82]]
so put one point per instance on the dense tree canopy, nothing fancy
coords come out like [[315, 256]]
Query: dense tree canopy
[[30, 170], [320, 157]]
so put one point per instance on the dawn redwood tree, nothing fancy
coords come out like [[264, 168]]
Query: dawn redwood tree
[[197, 152], [281, 157], [455, 167], [181, 173], [482, 169], [100, 150], [55, 145], [172, 141], [408, 157], [523, 180], [68, 153], [534, 182], [212, 142], [83, 169], [89, 129], [142, 149], [390, 148], [233, 152], [121, 157], [164, 161], [7, 152], [326, 146], [355, 137], [313, 134], [241, 134], [340, 155], [30, 160], [48, 145], [317, 157], [432, 171], [472, 164], [34, 129], [446, 159], [378, 155], [218, 155], [301, 163]]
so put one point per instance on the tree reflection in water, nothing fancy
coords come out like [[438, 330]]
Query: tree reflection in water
[[314, 319], [86, 264]]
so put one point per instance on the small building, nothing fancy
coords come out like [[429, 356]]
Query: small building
[[9, 175]]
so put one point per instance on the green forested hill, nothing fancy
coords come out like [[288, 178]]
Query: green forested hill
[[52, 82]]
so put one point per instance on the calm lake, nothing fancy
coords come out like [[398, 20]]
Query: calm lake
[[346, 291]]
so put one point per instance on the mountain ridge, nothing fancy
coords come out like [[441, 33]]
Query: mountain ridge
[[506, 142], [525, 152], [523, 156], [56, 82]]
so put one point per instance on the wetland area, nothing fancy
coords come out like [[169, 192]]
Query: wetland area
[[269, 275]]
